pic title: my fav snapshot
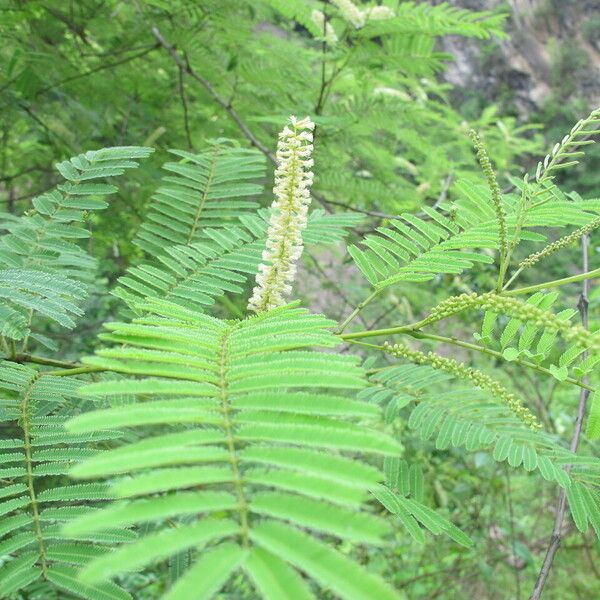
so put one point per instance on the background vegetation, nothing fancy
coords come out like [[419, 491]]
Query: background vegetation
[[391, 137]]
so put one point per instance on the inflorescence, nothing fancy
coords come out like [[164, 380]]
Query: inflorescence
[[477, 378], [559, 244], [488, 171], [324, 26], [359, 18], [293, 179], [528, 313]]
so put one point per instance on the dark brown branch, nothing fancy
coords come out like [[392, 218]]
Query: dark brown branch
[[183, 64], [184, 106], [187, 68], [556, 537]]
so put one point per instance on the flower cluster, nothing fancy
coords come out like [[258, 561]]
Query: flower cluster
[[293, 179], [324, 27], [476, 377], [528, 313], [488, 171], [351, 12], [563, 242], [357, 17], [379, 13]]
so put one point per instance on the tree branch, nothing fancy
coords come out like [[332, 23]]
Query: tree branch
[[184, 65], [184, 106], [187, 68], [556, 537]]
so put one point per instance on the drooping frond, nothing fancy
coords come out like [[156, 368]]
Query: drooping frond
[[413, 249], [258, 428], [195, 275], [209, 189], [44, 269], [468, 418], [406, 18], [45, 238], [33, 507]]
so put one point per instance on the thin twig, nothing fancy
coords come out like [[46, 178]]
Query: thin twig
[[556, 537], [338, 290], [370, 213], [513, 539], [184, 106], [187, 68], [235, 117]]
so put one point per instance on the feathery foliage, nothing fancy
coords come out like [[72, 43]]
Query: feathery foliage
[[201, 452], [247, 417], [45, 270], [212, 188], [34, 509]]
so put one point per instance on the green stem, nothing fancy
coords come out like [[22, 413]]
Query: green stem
[[75, 371], [504, 260], [42, 360], [389, 331], [552, 284], [229, 435], [481, 349], [29, 467], [514, 276], [355, 312]]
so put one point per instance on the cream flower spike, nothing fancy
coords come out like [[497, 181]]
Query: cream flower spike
[[293, 178], [379, 13], [351, 12], [318, 18]]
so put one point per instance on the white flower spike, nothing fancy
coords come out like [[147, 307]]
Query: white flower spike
[[318, 18], [351, 12], [379, 13], [293, 179]]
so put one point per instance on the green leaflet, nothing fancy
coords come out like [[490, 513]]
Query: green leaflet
[[67, 578], [126, 514], [593, 420], [31, 537], [274, 578], [328, 567], [157, 546], [44, 272], [205, 578]]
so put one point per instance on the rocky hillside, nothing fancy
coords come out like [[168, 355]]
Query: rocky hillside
[[553, 53]]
